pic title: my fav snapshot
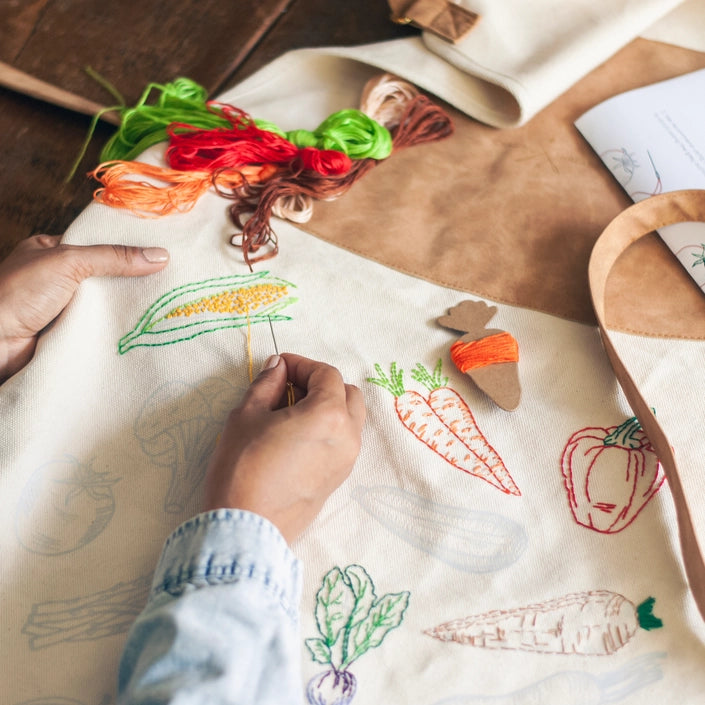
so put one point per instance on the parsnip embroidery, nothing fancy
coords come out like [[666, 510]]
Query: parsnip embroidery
[[444, 422], [610, 475], [351, 620], [594, 623], [203, 307], [469, 540]]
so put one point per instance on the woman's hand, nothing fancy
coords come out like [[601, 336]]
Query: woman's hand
[[282, 462], [40, 276]]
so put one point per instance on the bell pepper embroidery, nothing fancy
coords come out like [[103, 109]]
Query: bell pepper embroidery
[[444, 422], [610, 475], [351, 620], [206, 306], [591, 623]]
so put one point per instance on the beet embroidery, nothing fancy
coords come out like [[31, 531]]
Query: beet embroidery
[[351, 620]]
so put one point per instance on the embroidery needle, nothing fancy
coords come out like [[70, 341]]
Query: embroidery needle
[[274, 338], [290, 397]]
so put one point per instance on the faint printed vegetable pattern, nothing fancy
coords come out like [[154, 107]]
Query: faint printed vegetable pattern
[[206, 306], [444, 422], [51, 700], [593, 623], [351, 620], [610, 475], [472, 541], [699, 256], [577, 687], [64, 506], [88, 617], [178, 427], [57, 700]]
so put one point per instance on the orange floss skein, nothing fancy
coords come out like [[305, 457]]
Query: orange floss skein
[[181, 190], [494, 349]]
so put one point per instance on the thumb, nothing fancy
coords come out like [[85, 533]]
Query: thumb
[[113, 260], [267, 389]]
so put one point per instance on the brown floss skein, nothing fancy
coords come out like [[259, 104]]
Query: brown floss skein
[[422, 121]]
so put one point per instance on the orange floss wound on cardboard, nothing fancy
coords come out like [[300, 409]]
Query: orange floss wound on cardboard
[[488, 356]]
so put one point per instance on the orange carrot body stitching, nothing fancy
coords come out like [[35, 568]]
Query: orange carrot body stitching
[[444, 423]]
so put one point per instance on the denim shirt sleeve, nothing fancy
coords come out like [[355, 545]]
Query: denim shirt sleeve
[[221, 623]]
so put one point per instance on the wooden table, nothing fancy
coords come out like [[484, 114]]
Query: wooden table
[[132, 43]]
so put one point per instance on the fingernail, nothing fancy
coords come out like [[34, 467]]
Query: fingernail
[[271, 363], [155, 254]]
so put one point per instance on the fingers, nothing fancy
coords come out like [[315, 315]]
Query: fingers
[[43, 242], [112, 260], [321, 382], [356, 404], [268, 387], [317, 379]]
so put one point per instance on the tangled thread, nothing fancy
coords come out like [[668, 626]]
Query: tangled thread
[[265, 171]]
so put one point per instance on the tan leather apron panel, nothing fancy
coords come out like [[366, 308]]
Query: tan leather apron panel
[[512, 215]]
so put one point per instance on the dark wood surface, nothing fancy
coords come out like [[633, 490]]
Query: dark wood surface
[[132, 43]]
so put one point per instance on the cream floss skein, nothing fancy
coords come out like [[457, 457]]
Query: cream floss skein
[[384, 99]]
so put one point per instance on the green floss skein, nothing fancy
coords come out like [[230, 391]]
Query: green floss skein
[[349, 131], [271, 127], [144, 125]]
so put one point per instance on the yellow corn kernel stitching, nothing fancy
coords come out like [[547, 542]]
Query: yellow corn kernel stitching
[[240, 301]]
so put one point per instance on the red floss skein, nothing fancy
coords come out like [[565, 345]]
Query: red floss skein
[[326, 162], [244, 144], [421, 121]]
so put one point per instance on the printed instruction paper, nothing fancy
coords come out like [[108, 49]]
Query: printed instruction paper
[[652, 139]]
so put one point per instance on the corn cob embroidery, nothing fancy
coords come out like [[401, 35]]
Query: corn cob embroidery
[[193, 309]]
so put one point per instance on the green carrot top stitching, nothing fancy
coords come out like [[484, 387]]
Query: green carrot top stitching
[[394, 383], [430, 381]]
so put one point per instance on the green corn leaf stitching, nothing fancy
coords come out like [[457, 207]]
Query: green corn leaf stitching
[[151, 330]]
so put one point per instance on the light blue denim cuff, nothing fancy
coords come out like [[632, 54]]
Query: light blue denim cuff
[[227, 546]]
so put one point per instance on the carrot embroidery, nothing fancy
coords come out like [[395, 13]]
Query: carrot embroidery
[[444, 422], [594, 623], [610, 475]]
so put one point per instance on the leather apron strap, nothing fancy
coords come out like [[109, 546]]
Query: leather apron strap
[[633, 223]]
